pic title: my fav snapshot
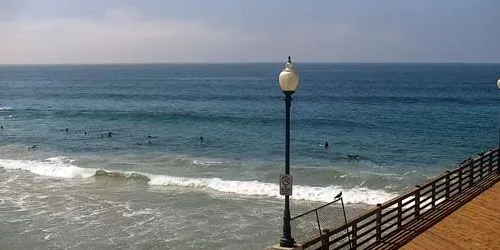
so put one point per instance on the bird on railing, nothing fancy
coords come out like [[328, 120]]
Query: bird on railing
[[338, 195]]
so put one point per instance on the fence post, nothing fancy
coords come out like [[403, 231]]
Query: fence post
[[354, 231], [317, 221], [379, 222], [417, 201], [460, 176], [447, 190], [482, 168], [325, 238], [433, 194], [498, 159], [400, 210], [490, 163], [471, 173]]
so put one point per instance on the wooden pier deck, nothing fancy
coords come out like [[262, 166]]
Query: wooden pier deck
[[476, 225]]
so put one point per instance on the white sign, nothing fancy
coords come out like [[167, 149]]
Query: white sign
[[286, 181]]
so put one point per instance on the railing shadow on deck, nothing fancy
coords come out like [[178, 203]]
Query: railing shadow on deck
[[397, 221]]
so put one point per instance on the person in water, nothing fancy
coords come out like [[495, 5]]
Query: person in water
[[67, 130], [326, 145], [1, 127], [201, 138], [352, 157], [109, 134]]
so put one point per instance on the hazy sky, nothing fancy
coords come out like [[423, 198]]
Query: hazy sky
[[125, 31]]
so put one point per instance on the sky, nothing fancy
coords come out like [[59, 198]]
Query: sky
[[177, 31]]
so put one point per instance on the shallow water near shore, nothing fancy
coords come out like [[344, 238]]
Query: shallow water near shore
[[154, 183]]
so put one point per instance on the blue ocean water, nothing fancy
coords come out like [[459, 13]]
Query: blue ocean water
[[406, 122]]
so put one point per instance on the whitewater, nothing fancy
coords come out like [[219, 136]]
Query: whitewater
[[62, 167]]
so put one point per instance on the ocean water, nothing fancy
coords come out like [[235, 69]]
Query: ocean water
[[154, 184]]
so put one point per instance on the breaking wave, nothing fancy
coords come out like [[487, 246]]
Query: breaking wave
[[5, 108], [63, 168]]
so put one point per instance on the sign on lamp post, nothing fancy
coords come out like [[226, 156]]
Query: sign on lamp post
[[286, 182]]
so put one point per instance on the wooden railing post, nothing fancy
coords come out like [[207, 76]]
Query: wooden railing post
[[325, 239], [354, 231], [490, 164], [498, 159], [471, 174], [417, 201], [447, 188], [400, 210], [379, 222], [482, 168], [460, 177], [433, 198]]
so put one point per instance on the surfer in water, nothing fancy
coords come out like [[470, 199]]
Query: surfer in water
[[352, 157], [326, 145], [201, 138]]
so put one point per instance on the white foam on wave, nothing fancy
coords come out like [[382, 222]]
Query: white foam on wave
[[5, 108], [60, 159], [62, 167], [54, 167], [205, 162], [252, 188]]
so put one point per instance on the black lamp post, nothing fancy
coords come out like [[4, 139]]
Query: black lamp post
[[498, 85], [289, 80]]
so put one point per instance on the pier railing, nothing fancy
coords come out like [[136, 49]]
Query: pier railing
[[417, 209]]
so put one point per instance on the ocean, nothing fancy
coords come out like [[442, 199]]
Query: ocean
[[110, 156]]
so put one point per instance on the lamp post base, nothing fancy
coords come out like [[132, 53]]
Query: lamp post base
[[278, 247], [287, 242]]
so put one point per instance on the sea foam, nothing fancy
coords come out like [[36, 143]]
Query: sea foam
[[5, 108], [62, 167], [54, 167], [257, 188]]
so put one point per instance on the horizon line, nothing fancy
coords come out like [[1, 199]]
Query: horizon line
[[207, 62]]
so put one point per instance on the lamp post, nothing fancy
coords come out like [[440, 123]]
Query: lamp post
[[289, 80], [498, 85]]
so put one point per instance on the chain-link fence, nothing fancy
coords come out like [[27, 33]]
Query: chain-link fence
[[310, 225]]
